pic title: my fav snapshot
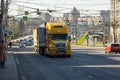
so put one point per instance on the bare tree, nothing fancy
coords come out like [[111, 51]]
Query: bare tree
[[114, 25]]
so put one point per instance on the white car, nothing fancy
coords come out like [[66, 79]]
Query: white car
[[21, 45]]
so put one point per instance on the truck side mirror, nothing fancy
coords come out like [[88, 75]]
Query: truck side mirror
[[45, 23]]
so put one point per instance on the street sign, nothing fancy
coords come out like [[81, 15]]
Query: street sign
[[67, 22], [10, 35]]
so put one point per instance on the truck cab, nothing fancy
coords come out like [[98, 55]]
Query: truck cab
[[58, 42]]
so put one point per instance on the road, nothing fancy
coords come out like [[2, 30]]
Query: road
[[85, 64]]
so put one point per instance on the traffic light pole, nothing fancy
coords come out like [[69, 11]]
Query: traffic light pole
[[87, 41], [87, 37]]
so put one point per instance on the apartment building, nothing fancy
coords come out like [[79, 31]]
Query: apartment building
[[115, 21]]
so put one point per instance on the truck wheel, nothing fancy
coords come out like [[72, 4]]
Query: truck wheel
[[69, 56], [36, 50], [109, 52], [41, 51]]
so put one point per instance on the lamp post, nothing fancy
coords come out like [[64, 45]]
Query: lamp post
[[113, 25]]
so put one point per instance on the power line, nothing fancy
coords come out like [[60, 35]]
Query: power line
[[43, 4], [86, 10], [59, 7], [57, 2]]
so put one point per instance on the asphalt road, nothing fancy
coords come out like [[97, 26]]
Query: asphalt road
[[85, 64]]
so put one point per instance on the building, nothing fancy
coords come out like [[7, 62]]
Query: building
[[115, 21], [65, 16], [105, 14], [105, 20], [46, 17], [74, 15]]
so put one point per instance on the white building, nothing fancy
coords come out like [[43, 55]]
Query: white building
[[115, 21]]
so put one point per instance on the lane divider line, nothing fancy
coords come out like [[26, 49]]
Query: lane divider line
[[16, 59], [23, 77]]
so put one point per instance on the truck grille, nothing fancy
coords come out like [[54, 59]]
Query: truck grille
[[60, 45]]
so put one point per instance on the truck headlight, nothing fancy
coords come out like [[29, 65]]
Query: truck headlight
[[50, 45]]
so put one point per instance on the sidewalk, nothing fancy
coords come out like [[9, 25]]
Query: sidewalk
[[10, 71], [96, 46]]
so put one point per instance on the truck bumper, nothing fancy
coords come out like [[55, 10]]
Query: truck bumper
[[56, 52]]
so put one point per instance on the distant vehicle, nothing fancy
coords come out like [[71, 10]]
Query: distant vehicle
[[29, 42], [22, 41], [21, 45], [113, 47]]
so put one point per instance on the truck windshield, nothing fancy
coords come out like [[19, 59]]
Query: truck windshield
[[58, 36]]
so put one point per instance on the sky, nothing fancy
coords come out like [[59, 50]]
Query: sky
[[61, 6]]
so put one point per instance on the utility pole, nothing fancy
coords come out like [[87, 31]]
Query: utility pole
[[103, 30], [1, 21], [114, 26], [76, 33]]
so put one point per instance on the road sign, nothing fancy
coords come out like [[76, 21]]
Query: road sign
[[67, 22], [10, 33]]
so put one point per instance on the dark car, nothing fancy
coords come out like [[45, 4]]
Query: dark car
[[113, 47], [29, 43]]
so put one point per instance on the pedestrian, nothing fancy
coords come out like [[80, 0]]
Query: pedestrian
[[2, 54], [10, 44]]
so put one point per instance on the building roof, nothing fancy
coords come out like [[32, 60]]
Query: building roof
[[74, 10]]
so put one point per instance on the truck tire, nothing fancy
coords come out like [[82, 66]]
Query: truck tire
[[69, 56], [41, 51]]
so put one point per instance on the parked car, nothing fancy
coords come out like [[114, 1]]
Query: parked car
[[113, 47], [21, 45], [29, 42]]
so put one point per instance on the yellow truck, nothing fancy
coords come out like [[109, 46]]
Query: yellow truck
[[52, 39]]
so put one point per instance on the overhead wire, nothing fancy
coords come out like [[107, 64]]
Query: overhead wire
[[42, 4], [58, 7]]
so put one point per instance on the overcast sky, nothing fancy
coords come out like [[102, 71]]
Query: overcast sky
[[63, 5]]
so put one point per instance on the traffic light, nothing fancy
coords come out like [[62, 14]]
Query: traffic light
[[26, 13], [24, 18], [38, 12]]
